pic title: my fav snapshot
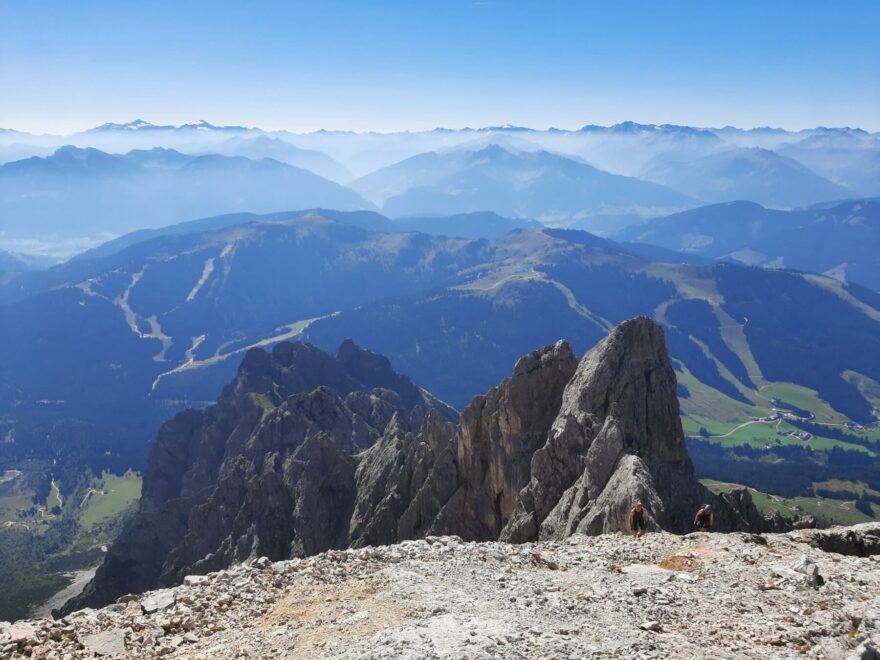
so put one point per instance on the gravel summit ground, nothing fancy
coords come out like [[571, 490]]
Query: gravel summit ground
[[664, 596]]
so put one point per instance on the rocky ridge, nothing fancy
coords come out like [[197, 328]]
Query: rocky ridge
[[663, 596], [267, 470], [306, 452]]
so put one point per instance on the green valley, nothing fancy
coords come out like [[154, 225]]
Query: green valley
[[47, 544], [824, 509]]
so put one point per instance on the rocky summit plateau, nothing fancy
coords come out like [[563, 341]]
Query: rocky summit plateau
[[735, 595]]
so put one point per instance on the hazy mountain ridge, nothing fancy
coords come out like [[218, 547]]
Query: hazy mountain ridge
[[854, 163], [755, 174], [263, 146], [619, 128], [623, 148], [82, 192], [141, 125], [513, 171], [18, 262], [538, 185], [838, 239]]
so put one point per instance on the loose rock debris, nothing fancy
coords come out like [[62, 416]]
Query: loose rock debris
[[662, 596]]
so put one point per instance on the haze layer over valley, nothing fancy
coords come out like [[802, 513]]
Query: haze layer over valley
[[61, 192]]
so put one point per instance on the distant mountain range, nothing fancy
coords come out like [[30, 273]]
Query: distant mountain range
[[849, 159], [755, 174], [624, 127], [840, 240], [263, 146], [16, 262], [835, 238], [141, 125], [837, 154], [117, 178], [537, 184], [83, 192], [96, 352]]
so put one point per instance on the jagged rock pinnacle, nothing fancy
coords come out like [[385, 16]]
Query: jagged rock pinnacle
[[306, 452]]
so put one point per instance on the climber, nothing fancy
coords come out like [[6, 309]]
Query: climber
[[638, 520], [705, 518]]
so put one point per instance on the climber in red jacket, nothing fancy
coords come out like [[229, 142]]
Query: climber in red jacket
[[638, 520]]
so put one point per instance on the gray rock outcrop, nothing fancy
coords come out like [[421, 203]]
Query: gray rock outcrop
[[617, 439], [306, 452], [268, 470], [858, 540]]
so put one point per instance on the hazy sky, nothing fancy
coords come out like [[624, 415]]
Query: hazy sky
[[412, 65]]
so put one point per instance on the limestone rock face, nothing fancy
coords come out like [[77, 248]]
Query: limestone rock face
[[306, 452], [497, 437], [616, 439], [269, 470], [390, 478]]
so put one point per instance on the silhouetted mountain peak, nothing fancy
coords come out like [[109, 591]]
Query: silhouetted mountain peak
[[493, 151], [71, 152], [79, 160]]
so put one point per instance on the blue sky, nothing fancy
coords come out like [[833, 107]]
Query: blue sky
[[413, 65]]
